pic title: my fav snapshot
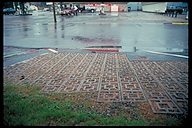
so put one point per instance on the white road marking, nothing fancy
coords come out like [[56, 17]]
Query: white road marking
[[52, 50], [166, 54]]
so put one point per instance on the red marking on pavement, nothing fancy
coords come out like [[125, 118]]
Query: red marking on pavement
[[103, 50]]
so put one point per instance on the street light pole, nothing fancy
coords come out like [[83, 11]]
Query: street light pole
[[54, 12]]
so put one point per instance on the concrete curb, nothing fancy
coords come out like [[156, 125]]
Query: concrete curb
[[15, 54], [180, 22]]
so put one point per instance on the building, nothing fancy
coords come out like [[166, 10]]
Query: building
[[108, 6], [135, 6], [161, 7]]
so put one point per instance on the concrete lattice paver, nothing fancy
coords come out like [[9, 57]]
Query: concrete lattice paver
[[116, 79]]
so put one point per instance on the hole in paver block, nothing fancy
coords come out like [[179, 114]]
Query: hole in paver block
[[109, 96], [89, 87], [133, 95], [164, 105], [112, 96], [109, 86], [130, 86], [156, 94]]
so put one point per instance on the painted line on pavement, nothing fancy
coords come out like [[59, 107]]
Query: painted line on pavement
[[166, 54], [180, 23], [52, 50]]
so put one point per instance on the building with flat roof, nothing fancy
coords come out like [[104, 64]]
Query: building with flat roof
[[108, 6], [162, 6]]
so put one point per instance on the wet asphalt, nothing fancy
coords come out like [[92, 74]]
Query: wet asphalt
[[126, 30]]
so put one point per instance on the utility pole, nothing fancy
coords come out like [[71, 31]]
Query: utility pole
[[54, 12]]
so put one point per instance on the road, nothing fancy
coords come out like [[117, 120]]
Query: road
[[145, 31]]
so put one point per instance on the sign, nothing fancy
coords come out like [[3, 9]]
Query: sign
[[114, 8], [98, 5], [49, 3]]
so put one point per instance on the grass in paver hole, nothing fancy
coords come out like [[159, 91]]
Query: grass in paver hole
[[26, 105]]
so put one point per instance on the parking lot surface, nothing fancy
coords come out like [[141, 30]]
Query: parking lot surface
[[133, 33], [164, 84], [146, 31]]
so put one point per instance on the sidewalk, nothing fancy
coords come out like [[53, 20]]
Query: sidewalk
[[164, 84]]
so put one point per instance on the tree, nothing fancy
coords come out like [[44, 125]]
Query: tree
[[61, 5], [7, 4], [22, 5]]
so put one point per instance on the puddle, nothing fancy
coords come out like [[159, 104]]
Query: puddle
[[44, 23], [83, 39], [95, 40]]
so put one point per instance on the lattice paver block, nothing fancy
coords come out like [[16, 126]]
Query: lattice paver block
[[156, 94], [176, 73], [182, 66], [109, 86], [50, 89], [68, 88], [129, 86], [163, 84], [15, 72], [169, 84], [164, 106], [151, 86], [89, 87]]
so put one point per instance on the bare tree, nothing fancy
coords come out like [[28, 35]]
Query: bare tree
[[23, 7]]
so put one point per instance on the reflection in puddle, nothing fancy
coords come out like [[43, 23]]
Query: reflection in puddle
[[95, 40]]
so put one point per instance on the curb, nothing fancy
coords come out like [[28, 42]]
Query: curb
[[15, 54], [180, 22]]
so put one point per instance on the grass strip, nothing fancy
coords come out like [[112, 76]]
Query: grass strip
[[27, 106]]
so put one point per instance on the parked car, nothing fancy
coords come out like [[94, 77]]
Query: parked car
[[129, 9], [86, 9], [177, 9], [67, 11], [46, 9], [8, 11], [33, 8]]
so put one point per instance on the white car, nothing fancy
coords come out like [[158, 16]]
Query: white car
[[46, 9], [33, 8]]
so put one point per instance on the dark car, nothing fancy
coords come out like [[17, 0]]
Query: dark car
[[8, 11], [86, 9], [177, 9], [129, 9]]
